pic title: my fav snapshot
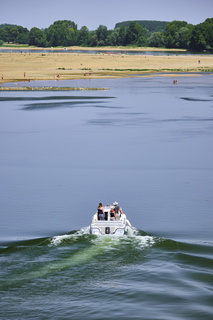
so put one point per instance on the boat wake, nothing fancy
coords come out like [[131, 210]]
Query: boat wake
[[79, 266], [79, 249], [134, 236]]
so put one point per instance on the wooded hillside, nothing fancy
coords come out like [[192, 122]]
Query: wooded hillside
[[150, 25]]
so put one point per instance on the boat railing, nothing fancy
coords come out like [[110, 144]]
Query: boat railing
[[120, 219]]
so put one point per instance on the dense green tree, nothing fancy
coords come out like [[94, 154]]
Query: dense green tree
[[182, 37], [70, 37], [14, 33], [62, 33], [209, 33], [3, 34], [23, 36], [197, 40], [171, 33], [101, 35], [136, 34], [84, 36], [122, 35], [66, 23], [11, 33], [53, 37], [206, 28], [114, 37], [156, 39], [37, 37], [93, 39]]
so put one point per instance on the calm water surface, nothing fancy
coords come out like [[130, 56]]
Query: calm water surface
[[131, 52], [145, 143]]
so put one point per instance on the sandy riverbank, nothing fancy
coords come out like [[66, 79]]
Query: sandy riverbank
[[16, 67], [118, 48]]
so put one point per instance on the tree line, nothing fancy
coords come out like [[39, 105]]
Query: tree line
[[175, 34]]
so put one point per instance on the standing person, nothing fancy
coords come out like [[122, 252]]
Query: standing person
[[100, 212], [117, 210]]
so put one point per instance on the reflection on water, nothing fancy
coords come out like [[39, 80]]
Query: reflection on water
[[48, 106], [79, 101], [52, 98], [193, 99]]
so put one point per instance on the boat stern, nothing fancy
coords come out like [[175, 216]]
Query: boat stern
[[108, 226]]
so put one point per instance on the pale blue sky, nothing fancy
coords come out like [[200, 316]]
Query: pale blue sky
[[92, 13]]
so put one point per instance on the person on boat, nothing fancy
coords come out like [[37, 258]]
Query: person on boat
[[100, 212], [112, 213], [117, 210]]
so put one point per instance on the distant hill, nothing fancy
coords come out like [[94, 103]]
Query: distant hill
[[150, 25]]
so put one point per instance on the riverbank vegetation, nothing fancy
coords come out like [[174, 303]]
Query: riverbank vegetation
[[159, 34]]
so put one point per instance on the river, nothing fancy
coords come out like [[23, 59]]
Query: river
[[144, 142]]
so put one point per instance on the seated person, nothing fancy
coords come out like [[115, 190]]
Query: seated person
[[112, 214]]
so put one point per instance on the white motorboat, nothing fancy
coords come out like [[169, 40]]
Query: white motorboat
[[118, 225]]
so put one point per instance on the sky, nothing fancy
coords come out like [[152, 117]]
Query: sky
[[92, 13]]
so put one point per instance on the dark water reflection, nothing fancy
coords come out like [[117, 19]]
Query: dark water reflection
[[52, 98]]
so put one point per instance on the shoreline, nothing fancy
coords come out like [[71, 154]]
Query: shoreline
[[30, 66], [106, 48]]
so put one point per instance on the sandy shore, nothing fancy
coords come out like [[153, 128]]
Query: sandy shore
[[118, 48], [16, 67]]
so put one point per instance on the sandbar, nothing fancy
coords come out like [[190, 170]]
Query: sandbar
[[22, 66]]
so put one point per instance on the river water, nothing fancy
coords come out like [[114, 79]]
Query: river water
[[144, 142], [93, 51]]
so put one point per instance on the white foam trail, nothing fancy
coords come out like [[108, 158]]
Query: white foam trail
[[111, 242], [144, 241], [57, 240]]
